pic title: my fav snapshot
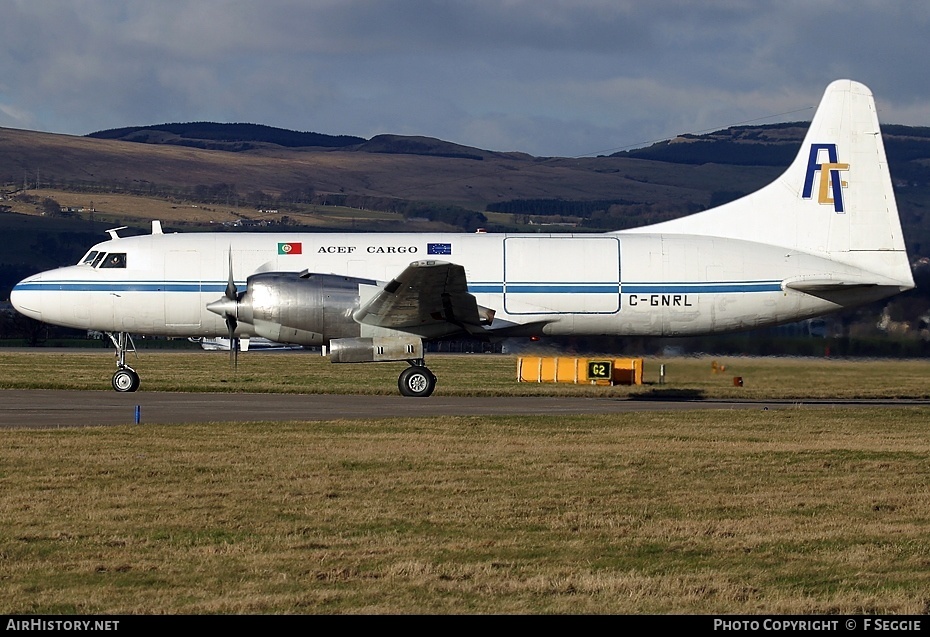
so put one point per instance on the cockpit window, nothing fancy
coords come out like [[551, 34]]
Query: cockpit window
[[89, 259], [98, 259], [114, 260]]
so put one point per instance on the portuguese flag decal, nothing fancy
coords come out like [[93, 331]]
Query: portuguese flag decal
[[290, 248]]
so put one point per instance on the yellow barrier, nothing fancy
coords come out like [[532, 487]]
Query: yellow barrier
[[595, 371]]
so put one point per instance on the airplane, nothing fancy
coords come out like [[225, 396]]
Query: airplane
[[822, 237]]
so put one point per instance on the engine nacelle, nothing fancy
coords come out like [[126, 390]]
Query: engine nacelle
[[282, 334], [376, 350], [307, 309]]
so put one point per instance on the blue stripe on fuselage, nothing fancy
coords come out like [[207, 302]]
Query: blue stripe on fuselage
[[720, 287], [716, 287], [122, 286]]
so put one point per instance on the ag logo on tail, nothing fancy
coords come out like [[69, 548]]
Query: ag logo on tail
[[830, 191]]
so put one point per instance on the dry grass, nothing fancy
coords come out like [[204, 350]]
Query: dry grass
[[467, 374], [786, 511], [791, 511], [113, 207]]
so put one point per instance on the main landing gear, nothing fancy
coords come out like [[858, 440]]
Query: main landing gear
[[125, 379], [416, 381]]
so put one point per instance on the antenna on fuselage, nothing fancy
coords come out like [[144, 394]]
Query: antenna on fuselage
[[114, 232]]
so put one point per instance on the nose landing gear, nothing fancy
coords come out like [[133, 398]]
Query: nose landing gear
[[125, 379]]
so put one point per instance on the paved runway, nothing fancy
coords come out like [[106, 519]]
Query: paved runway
[[39, 408]]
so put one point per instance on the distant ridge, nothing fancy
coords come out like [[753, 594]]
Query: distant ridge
[[245, 137], [767, 145], [230, 137], [419, 145]]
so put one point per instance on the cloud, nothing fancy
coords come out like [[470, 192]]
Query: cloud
[[549, 77]]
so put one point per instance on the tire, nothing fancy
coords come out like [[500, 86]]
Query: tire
[[416, 382], [125, 380]]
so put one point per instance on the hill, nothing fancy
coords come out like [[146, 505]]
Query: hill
[[229, 137], [240, 171]]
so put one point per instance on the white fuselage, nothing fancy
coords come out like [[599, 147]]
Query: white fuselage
[[604, 284]]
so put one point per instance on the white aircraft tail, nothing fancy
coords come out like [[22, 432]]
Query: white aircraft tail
[[835, 200]]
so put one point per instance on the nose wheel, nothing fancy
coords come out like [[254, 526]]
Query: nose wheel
[[126, 380]]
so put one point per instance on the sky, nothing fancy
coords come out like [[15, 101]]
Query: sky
[[562, 78]]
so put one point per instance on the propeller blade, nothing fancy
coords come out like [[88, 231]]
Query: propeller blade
[[233, 342], [233, 295], [231, 292]]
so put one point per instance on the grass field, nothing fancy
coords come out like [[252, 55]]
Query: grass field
[[787, 511], [467, 375]]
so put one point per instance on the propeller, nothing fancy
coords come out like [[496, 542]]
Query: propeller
[[228, 308], [233, 295]]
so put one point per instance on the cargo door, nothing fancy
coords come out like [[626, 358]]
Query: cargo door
[[562, 275]]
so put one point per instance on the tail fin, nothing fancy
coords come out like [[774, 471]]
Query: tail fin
[[835, 200]]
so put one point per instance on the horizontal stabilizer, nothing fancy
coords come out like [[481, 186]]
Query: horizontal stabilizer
[[828, 283], [823, 285]]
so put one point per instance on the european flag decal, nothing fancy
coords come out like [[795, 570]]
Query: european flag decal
[[438, 248]]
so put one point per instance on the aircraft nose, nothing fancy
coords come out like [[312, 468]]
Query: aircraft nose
[[26, 298]]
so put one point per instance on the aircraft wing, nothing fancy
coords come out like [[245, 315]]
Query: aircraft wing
[[429, 298]]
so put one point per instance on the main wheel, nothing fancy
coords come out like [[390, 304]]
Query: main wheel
[[416, 381], [125, 380]]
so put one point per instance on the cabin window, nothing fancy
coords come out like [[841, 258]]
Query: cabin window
[[114, 260], [89, 259]]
